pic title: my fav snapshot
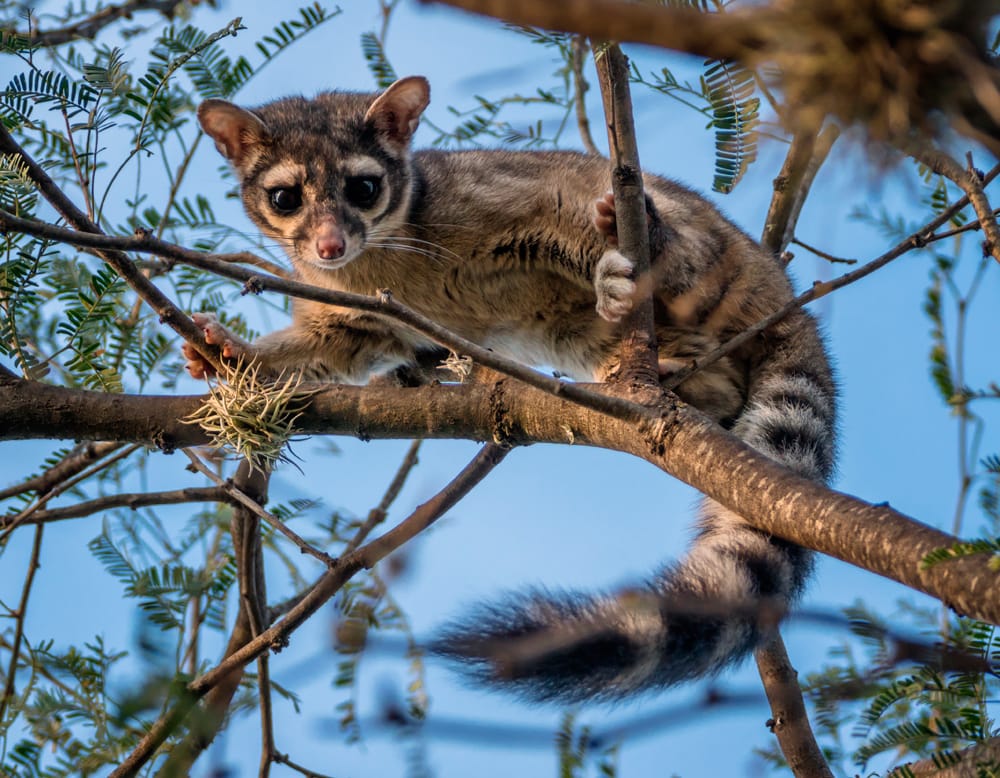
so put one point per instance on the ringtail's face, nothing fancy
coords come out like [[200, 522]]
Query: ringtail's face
[[323, 176]]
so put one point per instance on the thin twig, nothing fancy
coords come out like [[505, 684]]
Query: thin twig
[[822, 254], [328, 584], [248, 502], [918, 239], [969, 180], [77, 459], [19, 615], [638, 339], [378, 514], [157, 300], [383, 305], [13, 522], [580, 86], [133, 500], [489, 456]]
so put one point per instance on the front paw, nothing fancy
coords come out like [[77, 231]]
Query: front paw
[[216, 334], [614, 285]]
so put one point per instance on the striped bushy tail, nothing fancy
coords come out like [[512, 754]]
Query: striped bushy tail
[[698, 615]]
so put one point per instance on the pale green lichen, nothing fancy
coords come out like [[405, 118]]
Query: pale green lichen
[[252, 416]]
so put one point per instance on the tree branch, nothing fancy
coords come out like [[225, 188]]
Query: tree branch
[[11, 523], [90, 26], [580, 86], [716, 36], [970, 181], [245, 529], [789, 721], [328, 584], [791, 187], [638, 339], [81, 457], [20, 615], [133, 500], [169, 313], [670, 435]]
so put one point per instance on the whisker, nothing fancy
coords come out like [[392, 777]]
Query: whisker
[[403, 248], [466, 227], [416, 242]]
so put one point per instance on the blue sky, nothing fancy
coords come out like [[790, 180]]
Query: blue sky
[[556, 515]]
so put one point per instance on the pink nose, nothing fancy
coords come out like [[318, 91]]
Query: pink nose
[[330, 247], [329, 241]]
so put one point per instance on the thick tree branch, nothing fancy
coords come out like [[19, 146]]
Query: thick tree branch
[[670, 435], [717, 36]]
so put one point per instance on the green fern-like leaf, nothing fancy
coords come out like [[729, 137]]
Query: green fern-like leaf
[[109, 73], [111, 557], [903, 689], [960, 549], [911, 735], [50, 88], [729, 89], [378, 62], [18, 191], [287, 32]]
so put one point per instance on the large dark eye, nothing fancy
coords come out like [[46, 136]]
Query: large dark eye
[[285, 199], [363, 191]]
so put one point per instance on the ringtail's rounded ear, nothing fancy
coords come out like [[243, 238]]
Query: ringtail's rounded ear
[[236, 131], [396, 112]]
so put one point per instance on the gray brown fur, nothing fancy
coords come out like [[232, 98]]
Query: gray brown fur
[[503, 248]]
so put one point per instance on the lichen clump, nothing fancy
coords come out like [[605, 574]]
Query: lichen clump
[[252, 416]]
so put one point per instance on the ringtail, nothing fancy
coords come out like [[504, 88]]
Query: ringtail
[[517, 252]]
